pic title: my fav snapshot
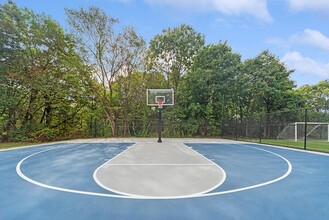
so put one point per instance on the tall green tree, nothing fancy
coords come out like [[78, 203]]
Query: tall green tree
[[12, 94], [265, 87], [315, 95], [131, 100], [109, 53], [43, 77], [266, 81], [207, 89], [172, 52]]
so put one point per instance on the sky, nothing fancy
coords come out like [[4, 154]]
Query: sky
[[296, 31]]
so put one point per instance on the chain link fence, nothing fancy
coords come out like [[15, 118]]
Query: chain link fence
[[301, 128], [148, 127]]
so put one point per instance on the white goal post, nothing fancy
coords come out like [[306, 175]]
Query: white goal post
[[293, 129]]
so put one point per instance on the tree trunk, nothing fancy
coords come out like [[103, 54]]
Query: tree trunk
[[111, 120], [28, 115], [47, 112]]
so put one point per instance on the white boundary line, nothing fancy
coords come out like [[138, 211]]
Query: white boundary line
[[215, 164], [290, 148], [164, 197], [19, 172], [34, 145], [261, 184], [104, 164], [159, 164]]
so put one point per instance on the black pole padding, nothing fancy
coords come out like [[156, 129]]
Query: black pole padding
[[159, 125]]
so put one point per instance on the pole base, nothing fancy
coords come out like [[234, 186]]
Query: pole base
[[159, 141]]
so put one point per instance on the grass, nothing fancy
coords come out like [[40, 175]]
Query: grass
[[314, 145], [14, 145]]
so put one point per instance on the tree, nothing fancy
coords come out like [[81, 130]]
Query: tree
[[268, 86], [109, 53], [210, 82], [41, 75], [269, 81], [316, 95], [172, 52], [130, 99]]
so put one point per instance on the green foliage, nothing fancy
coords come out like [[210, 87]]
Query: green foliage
[[44, 135], [316, 95], [44, 82], [92, 82], [112, 54], [202, 93], [268, 81], [172, 52]]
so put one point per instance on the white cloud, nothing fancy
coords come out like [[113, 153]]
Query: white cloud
[[295, 60], [300, 5], [255, 8], [311, 37]]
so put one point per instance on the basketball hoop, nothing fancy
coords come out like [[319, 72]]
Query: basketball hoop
[[160, 98], [160, 103], [154, 95]]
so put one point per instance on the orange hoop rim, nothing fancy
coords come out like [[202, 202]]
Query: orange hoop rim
[[160, 103]]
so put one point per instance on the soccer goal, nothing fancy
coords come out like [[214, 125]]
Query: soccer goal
[[296, 131]]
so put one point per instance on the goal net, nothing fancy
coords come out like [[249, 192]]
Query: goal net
[[296, 131]]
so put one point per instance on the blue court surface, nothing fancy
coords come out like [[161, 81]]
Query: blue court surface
[[59, 181]]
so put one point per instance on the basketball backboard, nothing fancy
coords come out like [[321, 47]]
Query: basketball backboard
[[164, 97]]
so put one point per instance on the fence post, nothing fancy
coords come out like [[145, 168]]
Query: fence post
[[260, 128], [305, 129], [236, 129], [328, 133], [222, 118], [95, 128]]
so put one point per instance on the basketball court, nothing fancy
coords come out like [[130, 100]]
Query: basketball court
[[176, 179]]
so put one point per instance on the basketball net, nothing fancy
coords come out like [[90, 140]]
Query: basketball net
[[160, 103]]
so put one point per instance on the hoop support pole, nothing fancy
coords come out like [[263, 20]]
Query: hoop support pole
[[159, 124]]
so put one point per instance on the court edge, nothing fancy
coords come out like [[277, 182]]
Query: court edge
[[20, 173]]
